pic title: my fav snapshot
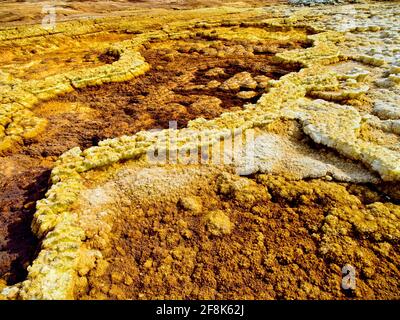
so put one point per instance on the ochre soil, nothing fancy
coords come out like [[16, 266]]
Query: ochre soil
[[32, 61], [22, 12], [85, 117], [165, 249]]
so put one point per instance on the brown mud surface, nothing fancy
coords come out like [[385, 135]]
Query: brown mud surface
[[173, 90]]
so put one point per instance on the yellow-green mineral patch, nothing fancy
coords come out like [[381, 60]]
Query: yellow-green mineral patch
[[344, 99]]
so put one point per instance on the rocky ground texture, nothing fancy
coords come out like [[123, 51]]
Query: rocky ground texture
[[200, 151]]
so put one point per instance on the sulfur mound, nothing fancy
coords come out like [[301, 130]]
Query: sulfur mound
[[218, 223]]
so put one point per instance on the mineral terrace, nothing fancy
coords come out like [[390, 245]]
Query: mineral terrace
[[200, 150]]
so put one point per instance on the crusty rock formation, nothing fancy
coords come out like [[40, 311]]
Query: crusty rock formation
[[343, 99]]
